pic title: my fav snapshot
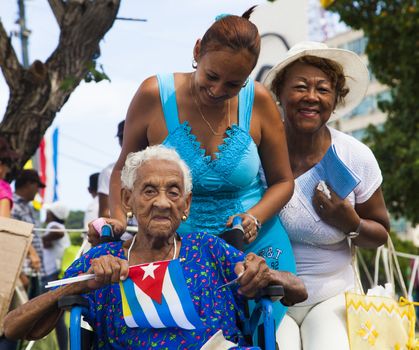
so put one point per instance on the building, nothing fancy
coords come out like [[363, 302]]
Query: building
[[367, 112]]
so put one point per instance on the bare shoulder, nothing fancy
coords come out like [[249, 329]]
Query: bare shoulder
[[148, 90], [261, 92], [145, 120], [145, 101], [265, 105]]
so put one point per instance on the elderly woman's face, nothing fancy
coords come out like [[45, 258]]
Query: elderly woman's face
[[307, 97], [158, 199]]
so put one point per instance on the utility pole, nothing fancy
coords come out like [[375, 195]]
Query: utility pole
[[24, 33]]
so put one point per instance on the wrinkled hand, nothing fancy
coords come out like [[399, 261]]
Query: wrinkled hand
[[249, 226], [256, 275], [335, 211], [107, 269], [93, 236]]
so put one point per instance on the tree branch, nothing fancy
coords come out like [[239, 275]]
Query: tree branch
[[43, 88], [10, 66], [58, 9]]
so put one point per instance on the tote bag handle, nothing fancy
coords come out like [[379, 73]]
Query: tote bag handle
[[391, 266]]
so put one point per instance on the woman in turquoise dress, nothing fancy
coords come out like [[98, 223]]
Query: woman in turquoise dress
[[226, 127]]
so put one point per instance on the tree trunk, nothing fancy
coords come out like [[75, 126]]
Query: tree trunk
[[39, 92]]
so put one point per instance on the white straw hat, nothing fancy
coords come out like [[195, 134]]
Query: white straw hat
[[356, 72]]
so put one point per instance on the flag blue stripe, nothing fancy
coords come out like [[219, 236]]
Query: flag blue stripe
[[55, 163], [180, 285], [164, 313], [137, 312]]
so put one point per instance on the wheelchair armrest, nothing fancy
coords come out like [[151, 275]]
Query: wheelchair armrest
[[261, 320], [68, 301]]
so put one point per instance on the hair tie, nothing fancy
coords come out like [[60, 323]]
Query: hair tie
[[221, 16]]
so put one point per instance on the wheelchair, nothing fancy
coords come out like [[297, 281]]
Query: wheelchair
[[260, 325], [258, 328]]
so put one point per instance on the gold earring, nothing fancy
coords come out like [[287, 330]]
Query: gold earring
[[184, 217], [194, 63], [130, 215]]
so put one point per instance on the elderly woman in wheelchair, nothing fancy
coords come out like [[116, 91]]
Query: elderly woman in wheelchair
[[158, 290]]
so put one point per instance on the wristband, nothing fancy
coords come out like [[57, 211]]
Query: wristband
[[355, 233], [257, 222]]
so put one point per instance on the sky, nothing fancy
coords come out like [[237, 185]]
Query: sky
[[130, 52]]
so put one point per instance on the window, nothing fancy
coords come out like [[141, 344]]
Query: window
[[358, 45], [367, 105]]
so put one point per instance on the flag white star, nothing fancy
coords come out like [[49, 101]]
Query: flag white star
[[149, 270]]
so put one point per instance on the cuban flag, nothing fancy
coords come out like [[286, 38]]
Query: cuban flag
[[155, 295]]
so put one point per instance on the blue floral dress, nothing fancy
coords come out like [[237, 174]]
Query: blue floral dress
[[228, 184], [207, 262]]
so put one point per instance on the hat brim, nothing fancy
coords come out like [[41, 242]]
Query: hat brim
[[356, 74]]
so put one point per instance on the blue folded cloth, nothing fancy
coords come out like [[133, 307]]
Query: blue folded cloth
[[334, 172]]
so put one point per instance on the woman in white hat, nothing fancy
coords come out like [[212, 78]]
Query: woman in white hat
[[310, 83]]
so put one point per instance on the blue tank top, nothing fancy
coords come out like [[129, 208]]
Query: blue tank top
[[225, 185], [228, 184]]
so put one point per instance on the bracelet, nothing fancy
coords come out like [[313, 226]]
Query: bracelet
[[355, 233], [257, 222]]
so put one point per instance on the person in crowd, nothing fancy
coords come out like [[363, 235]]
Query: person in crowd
[[157, 190], [92, 210], [55, 241], [105, 178], [27, 185], [310, 83], [7, 156], [225, 127]]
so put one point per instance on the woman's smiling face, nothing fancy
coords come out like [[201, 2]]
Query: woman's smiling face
[[307, 97], [220, 75]]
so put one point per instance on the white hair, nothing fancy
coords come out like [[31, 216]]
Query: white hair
[[136, 159]]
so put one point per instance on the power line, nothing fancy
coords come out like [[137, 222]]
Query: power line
[[91, 165], [87, 145]]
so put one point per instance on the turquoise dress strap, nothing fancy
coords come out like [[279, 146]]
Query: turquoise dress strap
[[168, 100], [246, 97]]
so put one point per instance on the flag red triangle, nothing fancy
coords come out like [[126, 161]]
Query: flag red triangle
[[149, 278]]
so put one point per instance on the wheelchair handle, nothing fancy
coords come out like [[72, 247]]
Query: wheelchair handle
[[237, 222], [106, 234], [235, 235]]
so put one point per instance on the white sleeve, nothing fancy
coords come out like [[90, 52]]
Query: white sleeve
[[104, 180]]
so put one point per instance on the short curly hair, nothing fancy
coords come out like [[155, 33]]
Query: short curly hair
[[160, 152], [331, 68]]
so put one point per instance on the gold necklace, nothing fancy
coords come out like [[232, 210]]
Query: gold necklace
[[202, 114]]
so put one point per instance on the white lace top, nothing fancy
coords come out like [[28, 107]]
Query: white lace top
[[321, 251]]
